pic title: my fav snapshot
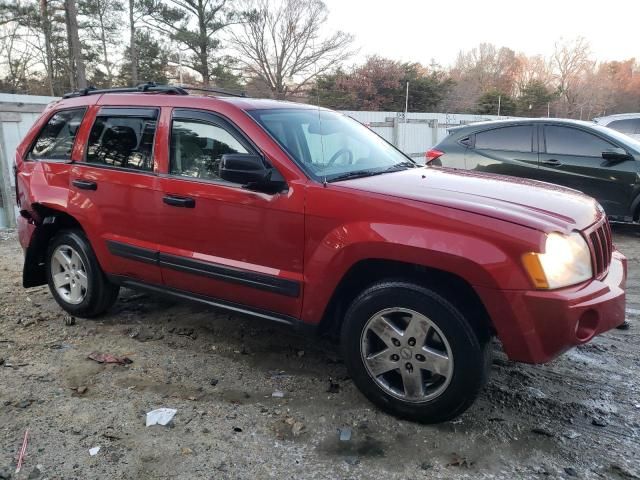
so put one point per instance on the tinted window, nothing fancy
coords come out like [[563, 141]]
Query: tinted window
[[630, 126], [571, 141], [514, 139], [55, 141], [125, 142], [196, 149]]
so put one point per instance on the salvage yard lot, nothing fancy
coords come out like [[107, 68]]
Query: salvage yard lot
[[577, 416]]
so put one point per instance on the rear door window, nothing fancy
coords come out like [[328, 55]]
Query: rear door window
[[572, 141], [512, 139], [55, 141], [123, 140]]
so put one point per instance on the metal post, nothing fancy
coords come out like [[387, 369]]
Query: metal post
[[5, 185], [395, 137], [499, 100]]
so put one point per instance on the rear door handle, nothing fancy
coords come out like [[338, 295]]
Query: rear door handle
[[552, 162], [85, 184], [184, 202]]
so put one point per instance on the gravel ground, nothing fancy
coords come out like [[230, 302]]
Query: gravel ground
[[578, 416]]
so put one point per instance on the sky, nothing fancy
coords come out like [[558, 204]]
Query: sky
[[419, 30]]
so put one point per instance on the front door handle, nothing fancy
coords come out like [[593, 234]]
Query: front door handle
[[85, 184], [184, 202], [552, 162]]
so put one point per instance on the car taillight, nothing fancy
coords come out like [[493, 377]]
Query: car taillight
[[432, 155]]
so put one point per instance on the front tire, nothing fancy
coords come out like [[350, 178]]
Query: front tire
[[412, 353], [75, 278]]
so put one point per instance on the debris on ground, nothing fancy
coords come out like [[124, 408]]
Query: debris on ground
[[109, 358], [599, 422], [542, 431], [69, 320], [23, 450], [333, 387], [160, 416], [277, 394], [344, 434], [94, 451], [570, 471], [626, 325], [536, 393]]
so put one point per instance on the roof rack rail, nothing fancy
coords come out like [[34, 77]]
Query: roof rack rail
[[222, 91], [142, 88], [154, 88]]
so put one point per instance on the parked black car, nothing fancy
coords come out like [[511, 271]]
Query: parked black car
[[596, 160]]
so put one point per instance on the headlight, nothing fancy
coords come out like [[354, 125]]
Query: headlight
[[566, 260]]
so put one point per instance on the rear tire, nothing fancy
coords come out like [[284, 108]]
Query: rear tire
[[412, 353], [75, 278]]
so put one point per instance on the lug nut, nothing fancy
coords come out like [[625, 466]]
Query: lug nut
[[395, 341], [409, 367], [412, 341], [420, 357], [395, 357]]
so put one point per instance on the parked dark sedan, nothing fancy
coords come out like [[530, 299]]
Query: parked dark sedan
[[596, 160]]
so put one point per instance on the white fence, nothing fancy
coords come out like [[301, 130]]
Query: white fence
[[418, 132], [17, 114], [414, 135]]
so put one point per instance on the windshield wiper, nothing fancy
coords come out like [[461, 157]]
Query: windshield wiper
[[370, 173], [354, 174]]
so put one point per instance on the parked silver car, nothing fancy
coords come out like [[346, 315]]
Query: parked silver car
[[627, 123]]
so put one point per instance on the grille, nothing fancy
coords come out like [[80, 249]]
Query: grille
[[601, 248]]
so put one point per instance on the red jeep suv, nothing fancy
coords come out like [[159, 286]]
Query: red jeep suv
[[305, 217]]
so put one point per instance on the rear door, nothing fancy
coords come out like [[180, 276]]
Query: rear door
[[220, 240], [113, 191], [509, 150], [572, 157]]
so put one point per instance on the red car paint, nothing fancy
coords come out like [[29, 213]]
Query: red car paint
[[473, 226]]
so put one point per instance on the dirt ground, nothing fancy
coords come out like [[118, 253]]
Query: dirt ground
[[577, 417]]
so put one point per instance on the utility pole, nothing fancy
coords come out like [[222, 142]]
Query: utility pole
[[499, 100], [406, 102]]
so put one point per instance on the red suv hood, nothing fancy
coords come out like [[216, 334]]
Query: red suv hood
[[538, 205]]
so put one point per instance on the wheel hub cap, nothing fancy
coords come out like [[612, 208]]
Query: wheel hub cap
[[407, 354], [69, 274]]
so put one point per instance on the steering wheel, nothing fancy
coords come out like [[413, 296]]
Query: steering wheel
[[338, 154]]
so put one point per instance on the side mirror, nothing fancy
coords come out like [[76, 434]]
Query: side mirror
[[616, 154], [251, 172]]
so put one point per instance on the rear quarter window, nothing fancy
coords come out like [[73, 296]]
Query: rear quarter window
[[55, 140]]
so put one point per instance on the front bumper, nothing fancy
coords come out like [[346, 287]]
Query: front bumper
[[535, 326]]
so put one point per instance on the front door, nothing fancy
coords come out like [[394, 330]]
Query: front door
[[112, 191], [217, 239], [573, 157]]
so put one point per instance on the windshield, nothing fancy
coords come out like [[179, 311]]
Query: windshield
[[330, 146]]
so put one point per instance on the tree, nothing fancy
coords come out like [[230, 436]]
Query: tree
[[380, 84], [151, 61], [571, 60], [195, 24], [534, 99], [281, 43], [77, 73], [495, 102], [103, 25]]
